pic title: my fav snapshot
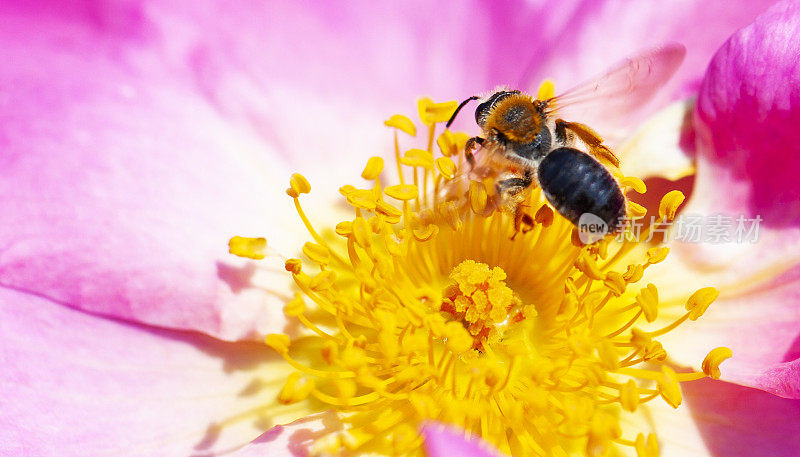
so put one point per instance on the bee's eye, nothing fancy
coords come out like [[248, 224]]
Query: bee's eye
[[483, 110]]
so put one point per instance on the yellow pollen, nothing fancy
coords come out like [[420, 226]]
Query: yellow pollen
[[547, 90], [670, 204], [373, 168], [431, 301], [402, 123], [298, 185], [431, 112], [714, 359], [252, 248], [481, 300]]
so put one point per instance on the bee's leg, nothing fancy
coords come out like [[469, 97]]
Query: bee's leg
[[508, 190], [561, 132], [468, 149], [593, 141], [522, 219], [512, 186]]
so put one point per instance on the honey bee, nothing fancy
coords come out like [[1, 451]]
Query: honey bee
[[534, 144]]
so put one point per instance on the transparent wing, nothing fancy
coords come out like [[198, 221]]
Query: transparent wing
[[607, 102], [487, 163]]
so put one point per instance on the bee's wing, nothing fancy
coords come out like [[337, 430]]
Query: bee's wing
[[606, 102], [485, 164]]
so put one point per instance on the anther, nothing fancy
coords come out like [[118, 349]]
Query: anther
[[636, 210], [447, 143], [646, 447], [294, 266], [713, 360], [316, 253], [373, 168], [699, 302], [403, 192], [669, 205], [446, 167], [668, 387], [629, 396], [298, 184], [251, 248], [402, 123], [418, 158], [279, 342], [477, 197], [634, 183], [648, 301], [657, 255], [295, 306], [431, 112]]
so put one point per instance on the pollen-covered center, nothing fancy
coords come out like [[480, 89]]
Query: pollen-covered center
[[430, 302], [479, 297]]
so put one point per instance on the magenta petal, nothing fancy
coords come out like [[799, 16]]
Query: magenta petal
[[747, 115], [120, 187], [74, 384], [782, 379], [597, 34], [317, 80], [447, 441], [748, 147], [737, 421]]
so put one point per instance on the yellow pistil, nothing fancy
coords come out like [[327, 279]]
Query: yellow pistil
[[432, 302]]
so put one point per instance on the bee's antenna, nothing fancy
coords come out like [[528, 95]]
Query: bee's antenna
[[453, 117]]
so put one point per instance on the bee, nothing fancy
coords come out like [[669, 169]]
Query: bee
[[535, 144]]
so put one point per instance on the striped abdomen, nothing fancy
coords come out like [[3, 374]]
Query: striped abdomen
[[574, 183]]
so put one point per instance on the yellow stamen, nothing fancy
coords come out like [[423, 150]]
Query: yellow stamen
[[431, 112], [298, 185], [714, 359], [699, 302], [451, 308], [547, 90], [373, 168], [669, 205], [251, 248], [402, 123]]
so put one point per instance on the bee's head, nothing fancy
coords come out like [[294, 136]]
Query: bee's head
[[483, 110]]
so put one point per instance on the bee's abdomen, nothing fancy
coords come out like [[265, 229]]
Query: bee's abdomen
[[575, 184]]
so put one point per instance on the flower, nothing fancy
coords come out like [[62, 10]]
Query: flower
[[136, 139], [543, 352]]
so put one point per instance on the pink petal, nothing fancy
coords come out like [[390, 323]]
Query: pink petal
[[446, 441], [75, 384], [737, 421], [597, 34], [748, 159], [782, 379], [328, 74], [747, 114], [121, 187], [761, 328], [316, 81], [292, 440], [147, 134]]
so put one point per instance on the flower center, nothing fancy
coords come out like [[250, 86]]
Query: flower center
[[431, 302], [479, 298]]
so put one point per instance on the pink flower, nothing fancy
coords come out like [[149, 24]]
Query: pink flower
[[137, 137]]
